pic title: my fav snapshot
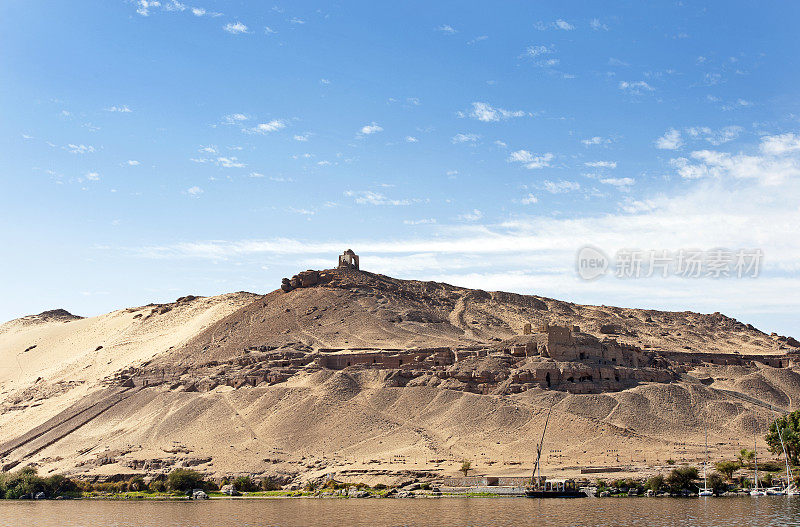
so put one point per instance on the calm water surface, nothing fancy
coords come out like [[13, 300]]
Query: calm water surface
[[476, 512]]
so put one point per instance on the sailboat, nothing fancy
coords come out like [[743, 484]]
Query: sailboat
[[705, 491], [790, 489], [541, 487], [756, 491]]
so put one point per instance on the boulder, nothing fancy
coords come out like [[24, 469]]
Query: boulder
[[229, 490], [199, 494]]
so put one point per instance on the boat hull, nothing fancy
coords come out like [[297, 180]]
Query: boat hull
[[554, 494]]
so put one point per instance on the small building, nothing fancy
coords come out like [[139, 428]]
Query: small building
[[348, 260]]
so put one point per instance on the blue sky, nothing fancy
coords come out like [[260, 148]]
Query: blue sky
[[156, 149]]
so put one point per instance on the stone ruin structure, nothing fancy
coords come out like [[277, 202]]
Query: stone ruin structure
[[550, 357], [348, 260]]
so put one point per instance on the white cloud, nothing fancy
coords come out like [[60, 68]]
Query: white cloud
[[93, 176], [465, 138], [560, 187], [536, 51], [265, 128], [133, 163], [411, 139], [302, 137], [368, 197], [487, 113], [236, 28], [475, 215], [370, 129], [596, 140], [715, 137], [777, 145], [446, 29], [324, 82], [424, 221], [601, 164], [143, 6], [198, 11], [210, 149], [558, 24], [229, 162], [529, 160], [778, 163], [530, 199], [80, 149], [234, 118], [119, 109], [297, 21], [635, 87], [255, 175], [194, 191], [671, 140], [597, 25], [622, 182], [563, 25]]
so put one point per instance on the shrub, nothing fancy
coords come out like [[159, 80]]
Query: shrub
[[270, 484], [136, 484], [184, 479], [670, 462], [466, 466], [727, 468], [158, 485], [717, 484], [244, 484], [682, 478], [655, 483]]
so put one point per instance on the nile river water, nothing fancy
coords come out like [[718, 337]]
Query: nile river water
[[639, 512]]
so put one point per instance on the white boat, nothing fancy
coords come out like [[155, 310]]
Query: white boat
[[775, 491], [705, 491], [756, 491]]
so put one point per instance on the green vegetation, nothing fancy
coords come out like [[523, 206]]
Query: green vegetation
[[789, 426], [26, 483], [727, 468], [466, 466], [682, 478], [245, 484]]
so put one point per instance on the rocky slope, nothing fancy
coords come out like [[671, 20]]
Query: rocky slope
[[261, 384]]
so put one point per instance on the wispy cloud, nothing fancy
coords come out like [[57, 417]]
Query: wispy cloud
[[561, 24], [635, 87], [487, 113], [596, 140], [560, 187], [371, 128], [529, 160], [601, 164], [671, 140], [194, 191], [465, 138], [80, 149], [446, 28], [235, 28], [234, 118], [266, 128], [368, 197]]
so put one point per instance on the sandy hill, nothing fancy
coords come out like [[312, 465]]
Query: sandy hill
[[366, 376]]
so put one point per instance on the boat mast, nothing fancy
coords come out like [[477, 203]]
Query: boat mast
[[705, 481], [537, 466], [786, 458], [755, 458]]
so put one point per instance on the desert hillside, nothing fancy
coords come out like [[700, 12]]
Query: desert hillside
[[362, 376]]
